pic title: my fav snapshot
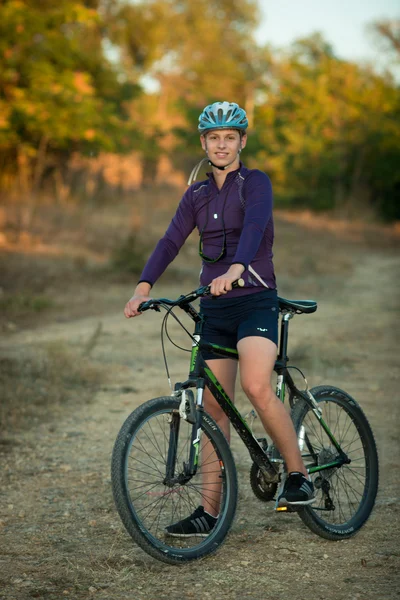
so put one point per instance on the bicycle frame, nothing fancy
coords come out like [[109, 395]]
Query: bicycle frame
[[201, 375]]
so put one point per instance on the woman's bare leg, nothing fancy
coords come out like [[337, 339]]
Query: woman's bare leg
[[225, 371], [257, 357]]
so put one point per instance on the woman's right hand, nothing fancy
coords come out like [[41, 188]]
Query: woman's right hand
[[141, 294], [131, 307]]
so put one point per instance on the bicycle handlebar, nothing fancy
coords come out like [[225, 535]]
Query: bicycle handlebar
[[204, 290]]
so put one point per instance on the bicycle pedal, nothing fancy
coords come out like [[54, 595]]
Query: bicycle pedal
[[287, 509]]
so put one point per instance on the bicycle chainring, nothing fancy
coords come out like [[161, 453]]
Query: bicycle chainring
[[262, 489]]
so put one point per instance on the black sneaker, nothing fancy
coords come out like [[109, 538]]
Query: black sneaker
[[298, 491], [199, 523]]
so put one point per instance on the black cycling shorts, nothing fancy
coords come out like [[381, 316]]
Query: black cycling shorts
[[228, 320]]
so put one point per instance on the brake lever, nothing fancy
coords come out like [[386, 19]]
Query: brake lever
[[149, 307]]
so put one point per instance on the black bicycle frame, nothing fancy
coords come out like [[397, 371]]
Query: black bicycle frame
[[201, 375]]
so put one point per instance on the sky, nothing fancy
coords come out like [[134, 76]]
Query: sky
[[342, 22]]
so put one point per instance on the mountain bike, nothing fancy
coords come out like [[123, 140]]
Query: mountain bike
[[170, 455]]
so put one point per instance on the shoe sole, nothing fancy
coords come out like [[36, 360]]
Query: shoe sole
[[284, 502], [187, 535]]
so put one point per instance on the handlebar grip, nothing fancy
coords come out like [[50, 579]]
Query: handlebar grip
[[144, 306], [203, 291], [239, 283]]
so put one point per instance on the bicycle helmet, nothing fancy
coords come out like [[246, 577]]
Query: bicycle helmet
[[223, 115]]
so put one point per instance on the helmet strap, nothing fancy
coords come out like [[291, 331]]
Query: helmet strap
[[226, 166], [196, 169], [221, 168]]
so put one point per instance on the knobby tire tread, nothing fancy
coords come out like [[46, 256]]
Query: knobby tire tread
[[308, 515], [122, 445]]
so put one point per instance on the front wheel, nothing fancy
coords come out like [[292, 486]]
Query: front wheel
[[148, 501], [345, 495]]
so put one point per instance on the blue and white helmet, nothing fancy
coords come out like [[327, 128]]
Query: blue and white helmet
[[223, 115]]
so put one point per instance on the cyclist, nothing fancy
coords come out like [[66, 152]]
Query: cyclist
[[232, 210]]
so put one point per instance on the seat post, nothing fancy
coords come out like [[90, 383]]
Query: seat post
[[282, 356]]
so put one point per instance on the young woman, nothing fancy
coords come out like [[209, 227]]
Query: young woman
[[232, 210]]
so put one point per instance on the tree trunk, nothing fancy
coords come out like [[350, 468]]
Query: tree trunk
[[62, 189], [38, 170]]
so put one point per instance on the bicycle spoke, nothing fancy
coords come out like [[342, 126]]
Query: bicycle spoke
[[157, 506], [341, 492], [143, 484], [154, 444], [145, 472], [356, 475], [343, 437], [144, 451]]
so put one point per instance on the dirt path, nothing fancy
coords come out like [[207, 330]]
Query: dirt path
[[61, 536]]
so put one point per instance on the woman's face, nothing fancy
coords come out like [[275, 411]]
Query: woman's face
[[222, 146]]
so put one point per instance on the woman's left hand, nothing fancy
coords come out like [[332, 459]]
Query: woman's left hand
[[223, 284]]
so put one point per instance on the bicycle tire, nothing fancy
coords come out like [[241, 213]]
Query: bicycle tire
[[353, 487], [139, 455]]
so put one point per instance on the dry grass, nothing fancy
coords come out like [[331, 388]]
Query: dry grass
[[61, 535], [36, 382]]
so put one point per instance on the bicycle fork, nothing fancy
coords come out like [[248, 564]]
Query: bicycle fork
[[187, 411]]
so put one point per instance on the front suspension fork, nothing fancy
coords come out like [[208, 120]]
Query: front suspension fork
[[181, 474]]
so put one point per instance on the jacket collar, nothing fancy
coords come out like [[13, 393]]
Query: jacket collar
[[242, 170]]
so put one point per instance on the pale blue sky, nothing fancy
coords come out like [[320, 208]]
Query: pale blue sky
[[342, 22]]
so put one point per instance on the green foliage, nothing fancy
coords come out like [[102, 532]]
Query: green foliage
[[327, 133], [57, 89], [18, 303], [72, 77]]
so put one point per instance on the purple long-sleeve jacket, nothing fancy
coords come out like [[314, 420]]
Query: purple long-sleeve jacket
[[243, 207]]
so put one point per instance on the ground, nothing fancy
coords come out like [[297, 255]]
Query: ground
[[72, 372]]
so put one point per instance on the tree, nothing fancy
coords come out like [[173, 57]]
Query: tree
[[387, 33], [58, 92], [328, 132], [206, 52]]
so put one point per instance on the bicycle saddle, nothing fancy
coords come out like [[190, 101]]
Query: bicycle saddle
[[298, 306]]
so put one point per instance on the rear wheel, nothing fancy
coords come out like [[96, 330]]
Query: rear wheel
[[345, 495], [147, 504]]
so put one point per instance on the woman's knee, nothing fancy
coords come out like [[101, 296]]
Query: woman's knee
[[212, 407], [259, 393]]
